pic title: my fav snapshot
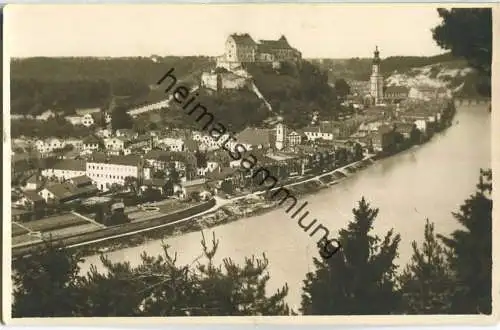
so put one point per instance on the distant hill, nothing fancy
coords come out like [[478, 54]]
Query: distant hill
[[440, 70], [66, 84]]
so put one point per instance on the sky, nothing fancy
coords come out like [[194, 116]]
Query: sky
[[318, 31]]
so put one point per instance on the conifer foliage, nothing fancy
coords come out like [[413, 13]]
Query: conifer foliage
[[360, 278], [471, 248], [49, 286], [427, 283]]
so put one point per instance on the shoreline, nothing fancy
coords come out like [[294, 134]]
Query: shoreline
[[224, 211]]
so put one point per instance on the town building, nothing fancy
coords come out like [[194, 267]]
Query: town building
[[74, 120], [395, 94], [46, 115], [286, 138], [34, 182], [114, 170], [376, 80], [90, 144], [49, 145], [241, 48], [330, 130], [173, 144], [31, 201], [161, 160], [217, 80], [76, 143], [87, 120], [66, 191], [65, 169], [87, 111], [115, 143], [255, 138], [127, 133]]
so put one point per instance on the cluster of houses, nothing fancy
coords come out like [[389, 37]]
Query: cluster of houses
[[104, 163], [83, 117], [187, 161]]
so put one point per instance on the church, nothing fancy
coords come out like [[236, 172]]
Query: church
[[376, 80], [374, 92]]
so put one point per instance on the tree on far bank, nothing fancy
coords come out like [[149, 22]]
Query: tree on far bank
[[472, 251], [120, 119], [427, 283], [467, 32], [342, 88], [358, 279], [131, 183]]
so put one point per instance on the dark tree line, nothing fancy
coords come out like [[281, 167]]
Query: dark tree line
[[66, 84], [53, 127]]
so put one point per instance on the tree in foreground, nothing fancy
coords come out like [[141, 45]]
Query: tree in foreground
[[427, 283], [471, 251], [467, 32], [360, 278], [46, 284], [156, 287]]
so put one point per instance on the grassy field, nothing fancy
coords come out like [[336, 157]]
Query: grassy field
[[57, 222], [73, 230], [18, 230], [174, 205], [23, 239]]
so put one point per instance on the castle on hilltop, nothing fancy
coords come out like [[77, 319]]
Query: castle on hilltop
[[241, 48]]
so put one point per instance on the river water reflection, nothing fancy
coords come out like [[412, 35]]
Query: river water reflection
[[428, 181]]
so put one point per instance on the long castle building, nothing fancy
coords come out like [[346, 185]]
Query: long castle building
[[241, 48]]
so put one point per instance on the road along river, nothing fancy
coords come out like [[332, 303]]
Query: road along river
[[428, 181]]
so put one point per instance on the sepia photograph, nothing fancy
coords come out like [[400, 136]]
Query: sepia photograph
[[247, 160]]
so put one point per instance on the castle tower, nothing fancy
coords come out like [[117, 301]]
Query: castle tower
[[376, 79], [281, 133]]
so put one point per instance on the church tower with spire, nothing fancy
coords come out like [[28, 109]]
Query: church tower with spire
[[376, 79]]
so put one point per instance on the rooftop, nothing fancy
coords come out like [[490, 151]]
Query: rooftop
[[32, 195], [81, 180], [67, 190], [155, 182], [70, 165], [254, 136], [243, 39], [129, 160], [281, 43], [91, 139], [396, 89]]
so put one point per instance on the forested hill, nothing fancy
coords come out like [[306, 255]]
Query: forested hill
[[360, 68], [67, 84], [440, 70]]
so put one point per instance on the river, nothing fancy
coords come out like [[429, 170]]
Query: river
[[428, 181]]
